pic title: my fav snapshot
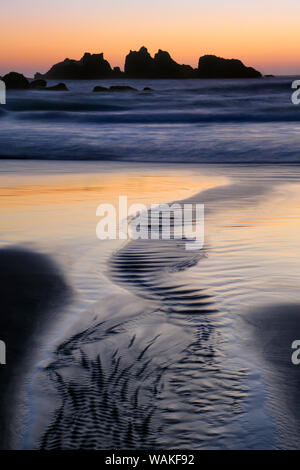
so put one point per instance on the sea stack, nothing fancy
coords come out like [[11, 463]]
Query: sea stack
[[90, 66], [140, 64], [211, 66], [166, 67], [15, 81]]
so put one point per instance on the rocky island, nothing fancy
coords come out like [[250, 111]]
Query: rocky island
[[89, 67], [140, 64]]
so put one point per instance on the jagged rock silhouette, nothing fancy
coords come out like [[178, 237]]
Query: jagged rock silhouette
[[210, 66], [140, 64], [14, 80], [90, 66]]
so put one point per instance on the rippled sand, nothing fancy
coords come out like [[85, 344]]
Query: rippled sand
[[161, 347]]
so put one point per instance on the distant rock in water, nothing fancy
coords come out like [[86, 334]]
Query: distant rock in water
[[38, 84], [90, 66], [140, 64], [122, 88], [15, 81], [99, 89], [58, 87], [211, 66]]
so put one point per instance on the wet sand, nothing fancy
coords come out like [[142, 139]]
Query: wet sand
[[32, 290], [273, 329], [158, 348]]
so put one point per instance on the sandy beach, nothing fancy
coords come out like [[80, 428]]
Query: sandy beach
[[152, 345]]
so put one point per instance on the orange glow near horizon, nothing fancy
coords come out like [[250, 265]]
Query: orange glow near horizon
[[263, 38]]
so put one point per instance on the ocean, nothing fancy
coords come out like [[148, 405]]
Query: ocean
[[208, 121]]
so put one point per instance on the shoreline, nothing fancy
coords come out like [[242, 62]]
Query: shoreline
[[189, 317], [153, 162], [41, 353]]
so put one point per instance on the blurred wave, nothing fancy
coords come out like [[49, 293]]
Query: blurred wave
[[179, 120]]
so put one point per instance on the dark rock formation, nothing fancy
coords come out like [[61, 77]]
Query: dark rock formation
[[58, 87], [117, 72], [166, 67], [100, 89], [38, 76], [38, 84], [140, 64], [15, 81], [211, 66], [90, 66], [122, 88]]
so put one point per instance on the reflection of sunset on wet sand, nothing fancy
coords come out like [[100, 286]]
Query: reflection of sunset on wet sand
[[186, 326], [72, 199]]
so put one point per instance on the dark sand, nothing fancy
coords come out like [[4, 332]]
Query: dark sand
[[31, 285], [274, 329]]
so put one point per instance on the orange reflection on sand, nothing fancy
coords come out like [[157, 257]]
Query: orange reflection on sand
[[62, 189], [36, 206]]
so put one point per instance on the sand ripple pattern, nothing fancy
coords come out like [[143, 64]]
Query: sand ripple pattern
[[153, 372]]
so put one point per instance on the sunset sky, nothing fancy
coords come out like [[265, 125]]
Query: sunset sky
[[34, 34]]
